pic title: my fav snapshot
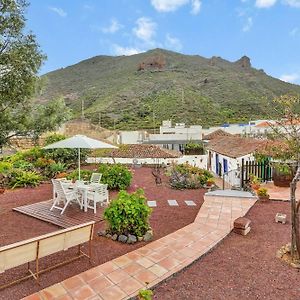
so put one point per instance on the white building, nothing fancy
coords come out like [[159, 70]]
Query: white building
[[225, 155], [175, 137]]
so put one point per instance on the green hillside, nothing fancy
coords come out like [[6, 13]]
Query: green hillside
[[137, 91]]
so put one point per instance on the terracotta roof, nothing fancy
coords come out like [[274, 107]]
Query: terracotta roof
[[143, 151], [263, 124], [215, 134], [235, 146]]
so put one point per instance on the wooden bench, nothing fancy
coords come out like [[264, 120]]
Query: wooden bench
[[33, 249]]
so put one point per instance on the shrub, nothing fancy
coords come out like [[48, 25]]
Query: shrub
[[116, 176], [5, 167], [84, 175], [145, 294], [33, 154], [262, 192], [128, 214], [20, 178], [54, 168], [185, 176], [23, 165]]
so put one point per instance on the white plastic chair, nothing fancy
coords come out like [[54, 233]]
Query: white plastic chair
[[98, 195], [62, 194], [95, 178]]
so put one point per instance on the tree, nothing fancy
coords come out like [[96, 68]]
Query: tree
[[286, 132], [20, 61]]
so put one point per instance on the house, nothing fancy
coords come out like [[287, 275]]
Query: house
[[175, 137], [215, 134], [225, 154]]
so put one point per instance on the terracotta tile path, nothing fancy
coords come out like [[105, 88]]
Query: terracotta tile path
[[124, 276], [280, 193]]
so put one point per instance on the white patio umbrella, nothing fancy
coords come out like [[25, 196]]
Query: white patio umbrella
[[79, 142]]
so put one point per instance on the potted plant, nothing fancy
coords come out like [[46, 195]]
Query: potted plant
[[210, 182], [254, 182], [145, 294], [283, 175], [262, 194]]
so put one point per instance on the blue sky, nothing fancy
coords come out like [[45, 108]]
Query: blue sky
[[268, 31]]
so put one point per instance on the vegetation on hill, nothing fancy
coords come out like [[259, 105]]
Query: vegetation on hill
[[138, 91]]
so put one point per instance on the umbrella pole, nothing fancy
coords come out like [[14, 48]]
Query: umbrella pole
[[78, 163]]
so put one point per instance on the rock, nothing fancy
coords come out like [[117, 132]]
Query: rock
[[122, 238], [148, 236], [101, 233], [244, 62], [288, 247], [295, 265], [108, 235], [140, 238], [278, 254], [131, 239], [114, 237]]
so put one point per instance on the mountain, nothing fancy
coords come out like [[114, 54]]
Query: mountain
[[130, 92]]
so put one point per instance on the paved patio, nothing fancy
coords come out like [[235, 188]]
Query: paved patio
[[280, 193], [124, 276]]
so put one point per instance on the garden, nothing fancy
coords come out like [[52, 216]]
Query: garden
[[130, 188]]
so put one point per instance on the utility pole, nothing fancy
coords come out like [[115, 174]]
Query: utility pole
[[82, 109], [153, 121], [99, 119]]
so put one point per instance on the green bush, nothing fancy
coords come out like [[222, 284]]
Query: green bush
[[185, 176], [84, 175], [23, 165], [128, 214], [5, 167], [20, 178], [33, 154], [116, 176]]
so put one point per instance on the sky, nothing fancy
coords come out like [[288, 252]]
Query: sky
[[267, 31]]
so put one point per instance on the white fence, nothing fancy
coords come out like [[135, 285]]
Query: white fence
[[194, 160]]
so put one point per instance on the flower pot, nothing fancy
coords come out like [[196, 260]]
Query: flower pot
[[282, 180], [264, 198], [255, 186]]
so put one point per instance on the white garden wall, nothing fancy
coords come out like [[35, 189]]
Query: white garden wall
[[194, 160]]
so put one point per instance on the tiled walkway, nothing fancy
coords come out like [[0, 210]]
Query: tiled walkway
[[280, 193], [124, 276]]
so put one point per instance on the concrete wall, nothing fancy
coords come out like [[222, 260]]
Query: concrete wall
[[194, 160]]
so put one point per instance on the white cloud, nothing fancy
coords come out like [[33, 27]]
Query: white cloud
[[265, 3], [290, 77], [58, 11], [295, 31], [173, 5], [119, 50], [248, 25], [168, 5], [145, 29], [173, 43], [196, 6], [113, 27], [293, 3]]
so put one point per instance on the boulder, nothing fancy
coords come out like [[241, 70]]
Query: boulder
[[122, 238], [148, 236], [101, 233], [114, 237], [131, 239], [140, 238]]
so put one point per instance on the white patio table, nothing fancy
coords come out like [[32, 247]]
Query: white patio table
[[83, 189]]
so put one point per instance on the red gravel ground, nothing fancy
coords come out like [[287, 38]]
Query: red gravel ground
[[15, 227], [241, 267]]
